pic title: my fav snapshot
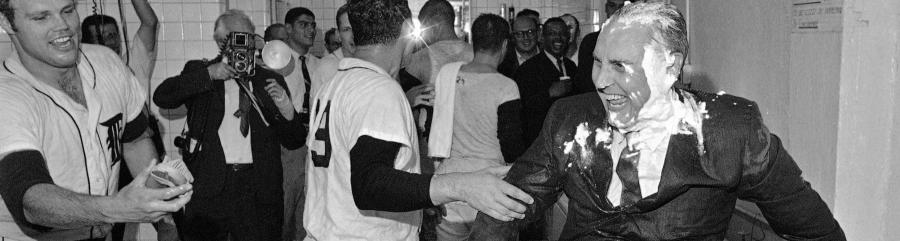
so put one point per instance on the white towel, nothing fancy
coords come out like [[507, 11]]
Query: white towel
[[441, 134]]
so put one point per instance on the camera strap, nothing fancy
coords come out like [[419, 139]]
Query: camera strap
[[242, 82]]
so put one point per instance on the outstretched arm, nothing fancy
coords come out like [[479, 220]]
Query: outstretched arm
[[773, 181], [37, 204], [149, 24]]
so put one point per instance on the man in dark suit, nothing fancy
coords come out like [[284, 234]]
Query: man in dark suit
[[545, 77], [525, 37], [641, 160], [236, 125]]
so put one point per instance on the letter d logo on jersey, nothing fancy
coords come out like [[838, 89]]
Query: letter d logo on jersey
[[114, 138]]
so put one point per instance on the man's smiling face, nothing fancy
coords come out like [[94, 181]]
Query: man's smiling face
[[619, 71]]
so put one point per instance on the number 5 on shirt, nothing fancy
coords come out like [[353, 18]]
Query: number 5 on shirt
[[321, 146]]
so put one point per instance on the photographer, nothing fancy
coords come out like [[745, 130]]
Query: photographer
[[232, 140]]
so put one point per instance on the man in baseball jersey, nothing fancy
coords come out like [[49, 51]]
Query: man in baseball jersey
[[363, 181], [72, 114]]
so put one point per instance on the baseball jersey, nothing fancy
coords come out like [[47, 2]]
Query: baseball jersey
[[81, 144], [361, 100]]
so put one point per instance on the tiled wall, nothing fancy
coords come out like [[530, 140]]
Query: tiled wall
[[587, 12]]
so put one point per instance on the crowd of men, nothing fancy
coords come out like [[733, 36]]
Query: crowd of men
[[519, 133]]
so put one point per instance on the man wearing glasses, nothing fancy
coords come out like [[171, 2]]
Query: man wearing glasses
[[525, 33]]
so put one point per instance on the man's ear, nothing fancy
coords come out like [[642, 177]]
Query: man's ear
[[674, 62], [6, 24]]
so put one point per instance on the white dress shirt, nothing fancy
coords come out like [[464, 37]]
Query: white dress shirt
[[653, 143]]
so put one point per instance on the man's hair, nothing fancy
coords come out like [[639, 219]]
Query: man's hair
[[666, 23], [488, 33], [8, 12], [330, 33], [234, 13], [271, 31], [437, 12], [95, 21], [292, 15], [555, 20], [341, 11], [377, 21], [528, 12]]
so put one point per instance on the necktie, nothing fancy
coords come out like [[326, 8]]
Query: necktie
[[627, 171], [304, 113], [243, 106], [562, 67]]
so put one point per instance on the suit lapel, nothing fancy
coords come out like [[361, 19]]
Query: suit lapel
[[550, 65]]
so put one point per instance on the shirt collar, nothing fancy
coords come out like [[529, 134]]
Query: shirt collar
[[14, 65], [652, 137], [553, 59], [351, 62]]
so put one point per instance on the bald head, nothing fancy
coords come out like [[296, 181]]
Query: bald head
[[525, 31]]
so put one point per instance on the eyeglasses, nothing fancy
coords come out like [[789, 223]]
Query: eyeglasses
[[525, 34]]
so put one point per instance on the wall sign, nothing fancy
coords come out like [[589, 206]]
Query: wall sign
[[817, 16]]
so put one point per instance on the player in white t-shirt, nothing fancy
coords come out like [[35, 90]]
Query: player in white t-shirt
[[486, 124], [72, 114], [363, 181]]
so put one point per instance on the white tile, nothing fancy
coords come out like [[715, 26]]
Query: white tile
[[210, 11], [171, 12], [174, 50], [194, 31], [172, 31], [192, 12]]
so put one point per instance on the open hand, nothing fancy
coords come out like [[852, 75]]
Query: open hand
[[281, 98], [485, 191]]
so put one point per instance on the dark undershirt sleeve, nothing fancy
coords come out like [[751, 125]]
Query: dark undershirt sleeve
[[376, 185], [509, 130], [19, 171], [135, 128]]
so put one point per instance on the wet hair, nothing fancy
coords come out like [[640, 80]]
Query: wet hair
[[341, 11], [95, 22], [8, 12], [234, 13], [271, 31], [529, 12], [488, 33], [377, 21], [666, 23], [292, 15], [437, 12]]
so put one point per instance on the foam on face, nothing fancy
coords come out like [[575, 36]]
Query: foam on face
[[659, 104]]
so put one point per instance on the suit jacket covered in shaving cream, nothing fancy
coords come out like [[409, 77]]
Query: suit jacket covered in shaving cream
[[737, 159]]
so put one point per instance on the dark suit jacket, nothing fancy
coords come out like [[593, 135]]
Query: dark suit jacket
[[510, 63], [697, 192], [534, 79], [205, 102], [586, 61]]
